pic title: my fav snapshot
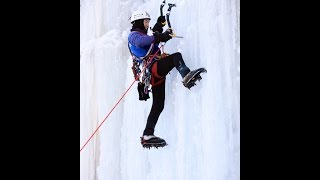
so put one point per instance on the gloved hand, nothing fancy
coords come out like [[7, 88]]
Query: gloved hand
[[170, 30], [164, 37], [161, 20], [160, 23]]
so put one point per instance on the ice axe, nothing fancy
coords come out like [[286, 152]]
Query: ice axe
[[161, 12], [161, 7], [168, 13], [169, 24]]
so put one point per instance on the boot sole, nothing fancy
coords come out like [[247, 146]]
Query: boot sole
[[196, 76]]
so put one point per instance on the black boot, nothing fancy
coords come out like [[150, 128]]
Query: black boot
[[183, 70], [149, 141], [190, 79]]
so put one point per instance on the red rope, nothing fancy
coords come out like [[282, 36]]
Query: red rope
[[145, 66]]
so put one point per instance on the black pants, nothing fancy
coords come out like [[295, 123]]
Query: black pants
[[165, 65]]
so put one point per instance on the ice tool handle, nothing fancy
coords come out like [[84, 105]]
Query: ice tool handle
[[161, 7], [169, 24], [168, 13]]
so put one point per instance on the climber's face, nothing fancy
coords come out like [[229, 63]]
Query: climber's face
[[146, 23]]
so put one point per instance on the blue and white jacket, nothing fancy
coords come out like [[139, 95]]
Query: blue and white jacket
[[141, 45]]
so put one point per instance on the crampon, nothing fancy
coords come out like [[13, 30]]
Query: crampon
[[154, 142], [191, 78]]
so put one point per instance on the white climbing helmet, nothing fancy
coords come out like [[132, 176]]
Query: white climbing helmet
[[139, 14]]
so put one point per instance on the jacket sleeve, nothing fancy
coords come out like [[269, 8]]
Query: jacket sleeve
[[140, 40]]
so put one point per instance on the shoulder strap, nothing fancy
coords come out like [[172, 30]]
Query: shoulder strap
[[148, 52]]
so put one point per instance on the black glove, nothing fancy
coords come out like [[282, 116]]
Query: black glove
[[161, 20], [164, 37], [160, 23]]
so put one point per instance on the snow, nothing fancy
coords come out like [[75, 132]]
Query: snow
[[201, 125]]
